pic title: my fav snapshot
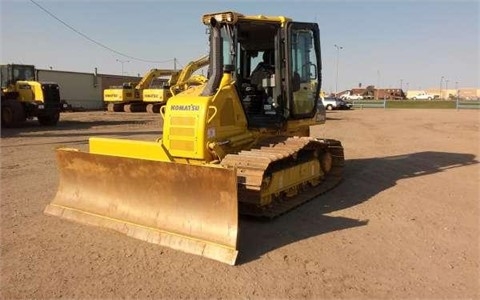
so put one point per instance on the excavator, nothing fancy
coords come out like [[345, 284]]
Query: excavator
[[239, 144], [128, 97], [162, 89], [154, 89]]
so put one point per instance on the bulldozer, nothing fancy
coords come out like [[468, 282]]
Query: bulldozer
[[24, 97], [239, 144]]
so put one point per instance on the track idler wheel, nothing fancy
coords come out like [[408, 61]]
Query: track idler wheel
[[154, 108], [134, 107], [115, 107]]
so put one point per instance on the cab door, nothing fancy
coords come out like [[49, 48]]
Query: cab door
[[303, 67]]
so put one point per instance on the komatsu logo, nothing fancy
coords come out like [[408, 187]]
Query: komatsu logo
[[189, 107]]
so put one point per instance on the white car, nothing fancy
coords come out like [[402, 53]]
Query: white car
[[331, 103], [423, 96], [352, 97]]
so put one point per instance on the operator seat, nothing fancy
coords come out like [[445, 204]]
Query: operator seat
[[264, 69]]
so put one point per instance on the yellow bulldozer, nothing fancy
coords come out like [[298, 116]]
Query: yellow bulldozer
[[238, 144], [24, 97]]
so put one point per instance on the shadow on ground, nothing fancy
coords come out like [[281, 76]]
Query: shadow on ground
[[363, 179]]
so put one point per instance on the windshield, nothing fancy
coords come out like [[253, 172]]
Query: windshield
[[12, 73], [23, 72]]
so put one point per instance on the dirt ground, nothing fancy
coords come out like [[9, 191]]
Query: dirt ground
[[404, 223]]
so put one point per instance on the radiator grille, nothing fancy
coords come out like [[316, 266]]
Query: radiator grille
[[183, 136]]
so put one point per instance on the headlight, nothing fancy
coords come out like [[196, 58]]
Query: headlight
[[222, 17], [41, 106]]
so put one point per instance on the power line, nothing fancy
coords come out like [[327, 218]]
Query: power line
[[96, 42]]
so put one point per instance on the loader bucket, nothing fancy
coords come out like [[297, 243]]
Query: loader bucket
[[185, 207]]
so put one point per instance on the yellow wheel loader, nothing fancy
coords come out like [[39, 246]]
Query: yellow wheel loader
[[23, 97], [239, 144]]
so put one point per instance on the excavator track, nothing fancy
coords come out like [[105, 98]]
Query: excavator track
[[256, 165]]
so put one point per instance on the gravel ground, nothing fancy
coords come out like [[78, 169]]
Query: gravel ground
[[404, 223]]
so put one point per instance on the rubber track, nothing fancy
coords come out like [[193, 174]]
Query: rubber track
[[253, 164]]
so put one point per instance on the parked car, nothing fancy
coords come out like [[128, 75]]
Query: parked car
[[331, 103], [352, 97], [423, 96], [342, 104]]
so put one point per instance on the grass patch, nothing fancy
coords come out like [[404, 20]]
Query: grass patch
[[440, 104]]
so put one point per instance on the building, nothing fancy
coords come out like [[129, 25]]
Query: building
[[83, 90], [463, 93]]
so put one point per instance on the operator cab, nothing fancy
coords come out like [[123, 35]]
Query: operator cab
[[275, 63], [12, 73]]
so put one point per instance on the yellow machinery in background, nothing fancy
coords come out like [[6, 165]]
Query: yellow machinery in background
[[116, 97], [162, 89], [128, 97], [239, 143], [23, 97]]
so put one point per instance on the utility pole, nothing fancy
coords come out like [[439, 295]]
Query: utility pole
[[440, 92], [377, 88], [122, 62], [456, 88], [174, 63], [338, 57]]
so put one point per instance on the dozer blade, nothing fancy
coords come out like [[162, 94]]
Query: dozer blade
[[188, 208]]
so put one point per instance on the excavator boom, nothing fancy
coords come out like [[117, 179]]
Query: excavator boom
[[150, 75], [187, 72]]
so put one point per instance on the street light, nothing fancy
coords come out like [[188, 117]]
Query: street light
[[338, 56], [456, 88], [440, 92], [122, 62]]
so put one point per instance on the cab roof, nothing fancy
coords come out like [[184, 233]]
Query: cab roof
[[230, 17]]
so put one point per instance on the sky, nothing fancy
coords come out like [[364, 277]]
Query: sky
[[408, 44]]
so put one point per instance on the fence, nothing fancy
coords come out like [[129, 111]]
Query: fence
[[467, 104], [370, 104]]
